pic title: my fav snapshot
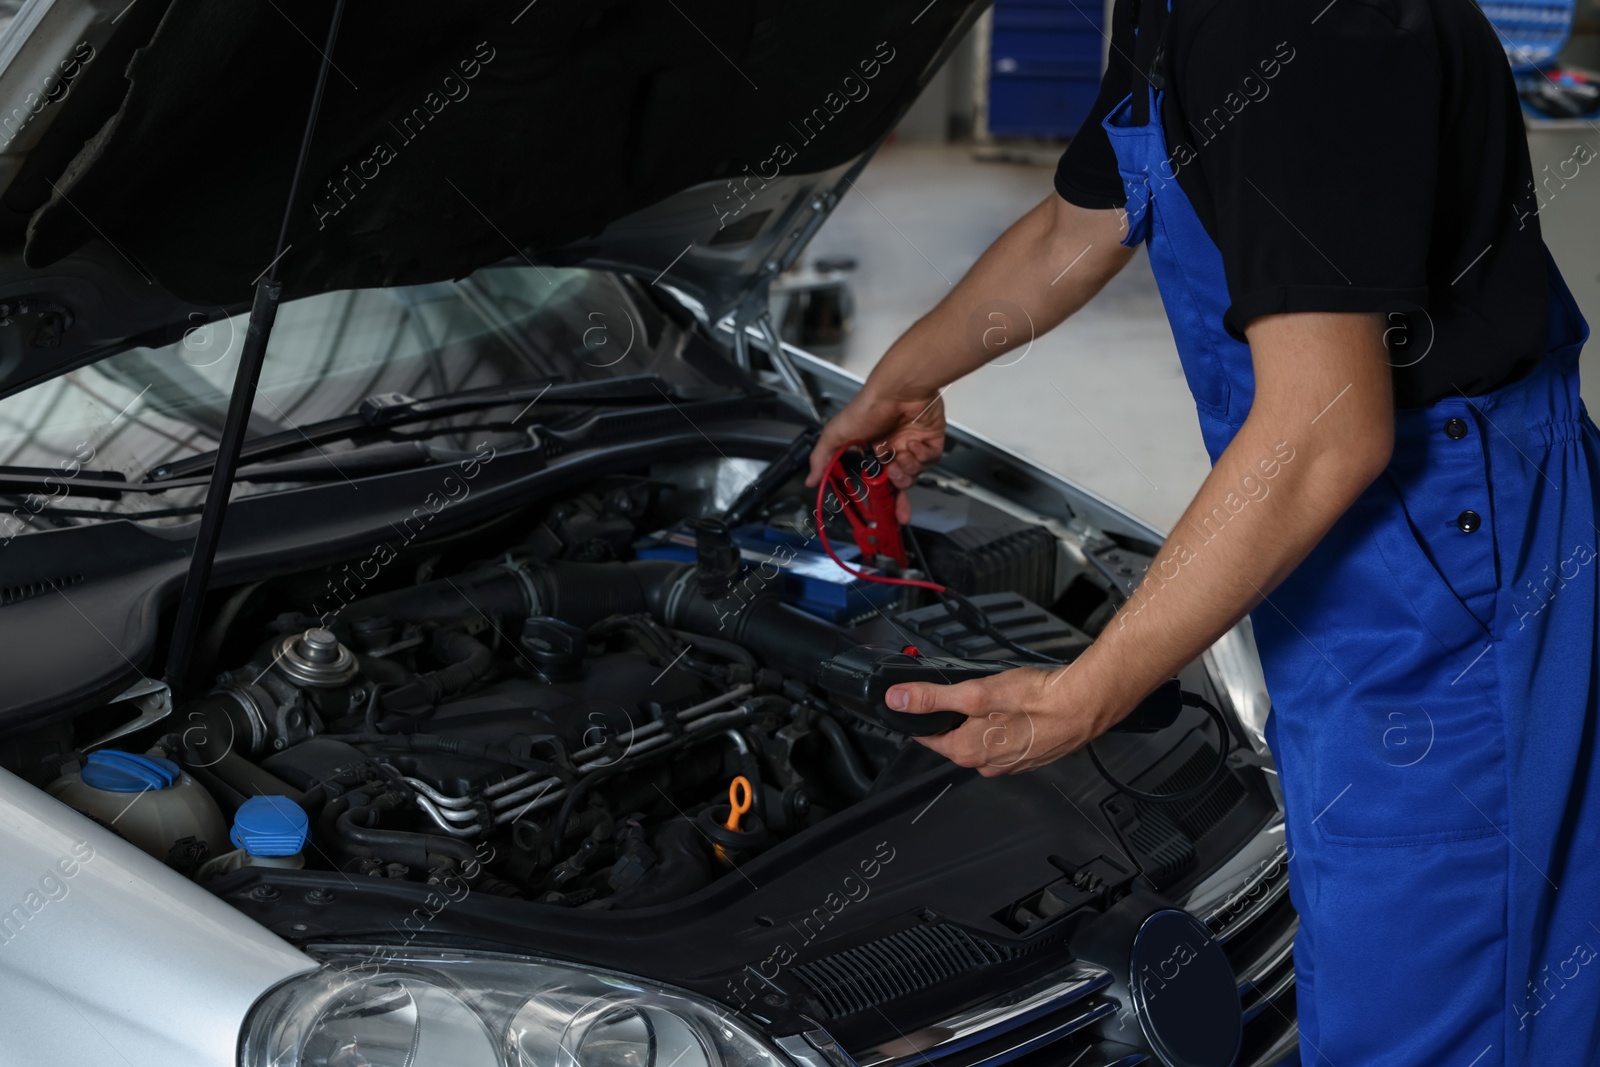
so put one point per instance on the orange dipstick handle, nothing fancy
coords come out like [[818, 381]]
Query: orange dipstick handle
[[740, 798]]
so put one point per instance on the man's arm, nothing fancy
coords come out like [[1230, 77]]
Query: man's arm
[[1049, 263], [1320, 430]]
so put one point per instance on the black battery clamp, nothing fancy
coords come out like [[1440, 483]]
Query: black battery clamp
[[860, 677]]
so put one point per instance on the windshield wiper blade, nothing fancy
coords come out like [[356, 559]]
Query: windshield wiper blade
[[386, 409], [45, 480], [358, 462], [52, 482], [56, 489], [396, 409]]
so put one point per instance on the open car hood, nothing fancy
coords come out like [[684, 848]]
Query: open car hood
[[146, 149]]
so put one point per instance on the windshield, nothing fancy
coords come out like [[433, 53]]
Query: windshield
[[132, 412]]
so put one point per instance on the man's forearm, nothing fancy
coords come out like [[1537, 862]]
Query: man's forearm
[[1049, 264], [1299, 461]]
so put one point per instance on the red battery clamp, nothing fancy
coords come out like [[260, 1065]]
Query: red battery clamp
[[867, 498], [870, 511]]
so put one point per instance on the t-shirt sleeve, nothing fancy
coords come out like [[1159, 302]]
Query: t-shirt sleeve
[[1316, 141], [1087, 172]]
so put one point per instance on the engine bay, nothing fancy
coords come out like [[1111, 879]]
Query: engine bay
[[608, 700]]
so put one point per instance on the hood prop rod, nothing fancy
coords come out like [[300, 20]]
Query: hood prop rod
[[263, 312]]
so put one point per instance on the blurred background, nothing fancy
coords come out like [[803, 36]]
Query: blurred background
[[1101, 399]]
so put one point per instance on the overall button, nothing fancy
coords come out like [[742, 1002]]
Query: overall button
[[1455, 429], [1468, 521]]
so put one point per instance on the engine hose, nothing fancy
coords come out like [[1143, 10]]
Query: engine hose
[[726, 649], [383, 671], [322, 793], [846, 762], [398, 846], [558, 829], [206, 751], [467, 659], [334, 809], [785, 638], [641, 627], [667, 645], [585, 593], [662, 643]]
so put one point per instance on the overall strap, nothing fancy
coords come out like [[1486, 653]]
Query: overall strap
[[1151, 18]]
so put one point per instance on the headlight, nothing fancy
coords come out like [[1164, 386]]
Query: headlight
[[1236, 667], [413, 1008]]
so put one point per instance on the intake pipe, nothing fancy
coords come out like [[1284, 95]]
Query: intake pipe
[[748, 613]]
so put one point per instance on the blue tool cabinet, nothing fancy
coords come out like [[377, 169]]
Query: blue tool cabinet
[[1044, 66]]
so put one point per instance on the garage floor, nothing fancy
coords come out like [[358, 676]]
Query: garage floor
[[1101, 400]]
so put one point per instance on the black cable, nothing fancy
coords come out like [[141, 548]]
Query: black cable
[[370, 718], [922, 557], [965, 611], [1193, 700], [974, 618]]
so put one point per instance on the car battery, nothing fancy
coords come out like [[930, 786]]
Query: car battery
[[804, 575]]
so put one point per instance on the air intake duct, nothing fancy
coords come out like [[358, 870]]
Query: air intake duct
[[780, 636]]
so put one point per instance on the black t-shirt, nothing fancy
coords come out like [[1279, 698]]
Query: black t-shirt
[[1352, 155]]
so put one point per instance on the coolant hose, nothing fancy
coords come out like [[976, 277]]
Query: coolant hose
[[846, 762]]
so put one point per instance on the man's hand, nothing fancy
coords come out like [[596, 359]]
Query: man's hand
[[1049, 263], [1016, 721], [907, 433]]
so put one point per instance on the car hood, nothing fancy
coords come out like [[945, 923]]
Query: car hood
[[146, 149]]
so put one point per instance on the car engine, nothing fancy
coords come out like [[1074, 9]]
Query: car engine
[[606, 703]]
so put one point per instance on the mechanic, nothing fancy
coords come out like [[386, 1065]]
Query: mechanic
[[1340, 212]]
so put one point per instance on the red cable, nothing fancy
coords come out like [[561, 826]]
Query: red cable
[[822, 532]]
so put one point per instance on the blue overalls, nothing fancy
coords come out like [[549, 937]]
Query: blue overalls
[[1434, 683]]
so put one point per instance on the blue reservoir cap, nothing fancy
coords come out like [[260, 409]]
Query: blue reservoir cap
[[127, 772], [270, 826]]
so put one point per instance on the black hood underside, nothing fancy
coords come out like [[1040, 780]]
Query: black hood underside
[[455, 135]]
